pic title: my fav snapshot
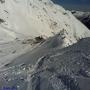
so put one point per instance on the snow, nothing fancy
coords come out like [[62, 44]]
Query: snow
[[25, 19], [32, 18], [84, 17], [80, 13], [13, 49], [61, 70]]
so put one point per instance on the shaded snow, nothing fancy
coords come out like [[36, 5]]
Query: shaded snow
[[29, 19], [59, 69], [34, 35], [84, 17]]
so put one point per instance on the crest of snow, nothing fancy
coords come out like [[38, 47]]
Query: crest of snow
[[33, 18]]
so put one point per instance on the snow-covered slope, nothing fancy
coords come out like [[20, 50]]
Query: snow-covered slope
[[84, 17], [33, 18], [23, 25], [22, 21], [66, 69]]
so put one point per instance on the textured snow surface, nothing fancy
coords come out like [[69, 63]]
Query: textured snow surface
[[29, 19], [33, 18], [43, 30], [59, 69]]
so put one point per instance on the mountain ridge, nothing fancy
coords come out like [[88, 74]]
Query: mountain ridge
[[22, 19]]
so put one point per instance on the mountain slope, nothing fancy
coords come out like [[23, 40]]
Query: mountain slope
[[84, 17], [43, 30], [33, 18], [59, 69], [25, 23]]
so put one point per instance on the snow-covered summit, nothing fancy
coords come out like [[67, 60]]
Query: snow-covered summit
[[33, 18]]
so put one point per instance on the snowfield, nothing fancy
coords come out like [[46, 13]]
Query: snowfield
[[42, 47], [33, 18], [29, 19]]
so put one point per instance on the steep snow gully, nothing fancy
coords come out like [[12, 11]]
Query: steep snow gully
[[42, 47]]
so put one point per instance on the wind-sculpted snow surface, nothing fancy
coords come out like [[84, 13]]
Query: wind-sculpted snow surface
[[66, 69], [49, 66], [33, 18]]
